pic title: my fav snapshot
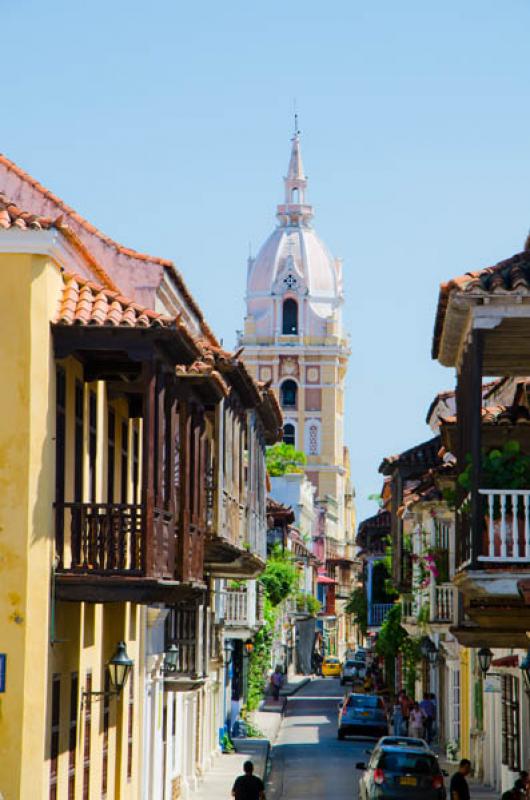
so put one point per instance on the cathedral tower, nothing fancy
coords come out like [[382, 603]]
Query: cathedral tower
[[293, 337]]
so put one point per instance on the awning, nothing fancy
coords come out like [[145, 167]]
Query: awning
[[325, 579]]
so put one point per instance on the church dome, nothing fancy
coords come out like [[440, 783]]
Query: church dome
[[294, 260]]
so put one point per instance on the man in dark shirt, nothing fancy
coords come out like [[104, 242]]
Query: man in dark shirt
[[459, 790], [248, 786]]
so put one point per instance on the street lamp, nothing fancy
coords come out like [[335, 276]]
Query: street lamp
[[433, 655], [171, 659], [119, 667], [228, 648], [484, 659], [525, 668], [428, 649], [249, 646]]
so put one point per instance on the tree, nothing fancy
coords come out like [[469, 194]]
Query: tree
[[358, 606], [284, 458]]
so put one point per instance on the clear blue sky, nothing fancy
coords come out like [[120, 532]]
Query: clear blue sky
[[167, 124]]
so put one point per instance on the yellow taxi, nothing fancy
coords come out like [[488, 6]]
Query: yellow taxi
[[331, 667]]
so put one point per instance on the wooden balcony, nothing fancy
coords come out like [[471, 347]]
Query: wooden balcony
[[243, 611], [377, 613], [109, 552], [493, 562], [186, 627], [237, 548]]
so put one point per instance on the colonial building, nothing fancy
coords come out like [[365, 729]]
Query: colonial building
[[133, 485], [294, 339]]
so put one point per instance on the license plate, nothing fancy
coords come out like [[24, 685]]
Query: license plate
[[365, 713], [406, 781]]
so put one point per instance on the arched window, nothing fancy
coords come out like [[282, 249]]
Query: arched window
[[289, 433], [294, 195], [290, 317], [288, 392]]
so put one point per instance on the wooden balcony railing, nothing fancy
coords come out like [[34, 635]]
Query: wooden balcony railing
[[102, 538], [377, 613]]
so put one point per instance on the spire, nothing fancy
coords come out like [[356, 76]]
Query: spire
[[295, 210]]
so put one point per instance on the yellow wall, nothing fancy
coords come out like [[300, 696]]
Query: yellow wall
[[85, 634], [465, 710]]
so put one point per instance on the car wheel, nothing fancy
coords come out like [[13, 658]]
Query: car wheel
[[340, 735]]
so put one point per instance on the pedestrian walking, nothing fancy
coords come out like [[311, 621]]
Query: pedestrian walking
[[429, 710], [248, 786], [397, 717], [416, 721], [277, 682], [404, 702], [458, 788]]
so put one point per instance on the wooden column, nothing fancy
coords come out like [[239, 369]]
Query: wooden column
[[148, 465], [475, 430], [184, 490]]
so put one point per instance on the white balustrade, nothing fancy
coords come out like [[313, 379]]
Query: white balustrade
[[507, 525], [444, 600]]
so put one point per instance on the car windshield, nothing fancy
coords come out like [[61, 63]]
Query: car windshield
[[332, 661], [417, 763], [349, 664], [364, 701]]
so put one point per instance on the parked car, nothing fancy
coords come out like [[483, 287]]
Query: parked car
[[352, 670], [401, 773], [331, 667], [362, 714], [402, 741]]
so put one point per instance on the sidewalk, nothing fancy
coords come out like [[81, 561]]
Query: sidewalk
[[219, 780], [290, 688], [477, 790]]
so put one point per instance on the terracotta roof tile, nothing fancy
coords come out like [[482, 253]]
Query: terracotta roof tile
[[13, 217], [510, 275], [86, 303], [68, 214]]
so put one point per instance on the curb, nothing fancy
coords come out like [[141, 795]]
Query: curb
[[287, 692]]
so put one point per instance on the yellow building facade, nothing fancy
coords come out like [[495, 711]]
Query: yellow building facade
[[55, 742]]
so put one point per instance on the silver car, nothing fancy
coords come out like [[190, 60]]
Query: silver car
[[351, 671]]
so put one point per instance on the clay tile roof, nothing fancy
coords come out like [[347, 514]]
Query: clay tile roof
[[499, 415], [13, 217], [510, 275], [421, 456], [86, 303]]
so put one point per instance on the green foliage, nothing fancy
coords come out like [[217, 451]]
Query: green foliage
[[394, 639], [423, 615], [280, 577], [306, 602], [284, 458], [500, 469], [358, 606], [260, 658], [227, 745]]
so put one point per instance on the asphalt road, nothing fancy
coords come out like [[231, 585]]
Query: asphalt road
[[308, 761]]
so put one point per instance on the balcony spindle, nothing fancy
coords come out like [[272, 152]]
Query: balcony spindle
[[503, 526], [491, 526], [526, 527], [515, 526]]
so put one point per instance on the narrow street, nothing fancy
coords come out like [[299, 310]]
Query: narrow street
[[308, 759]]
